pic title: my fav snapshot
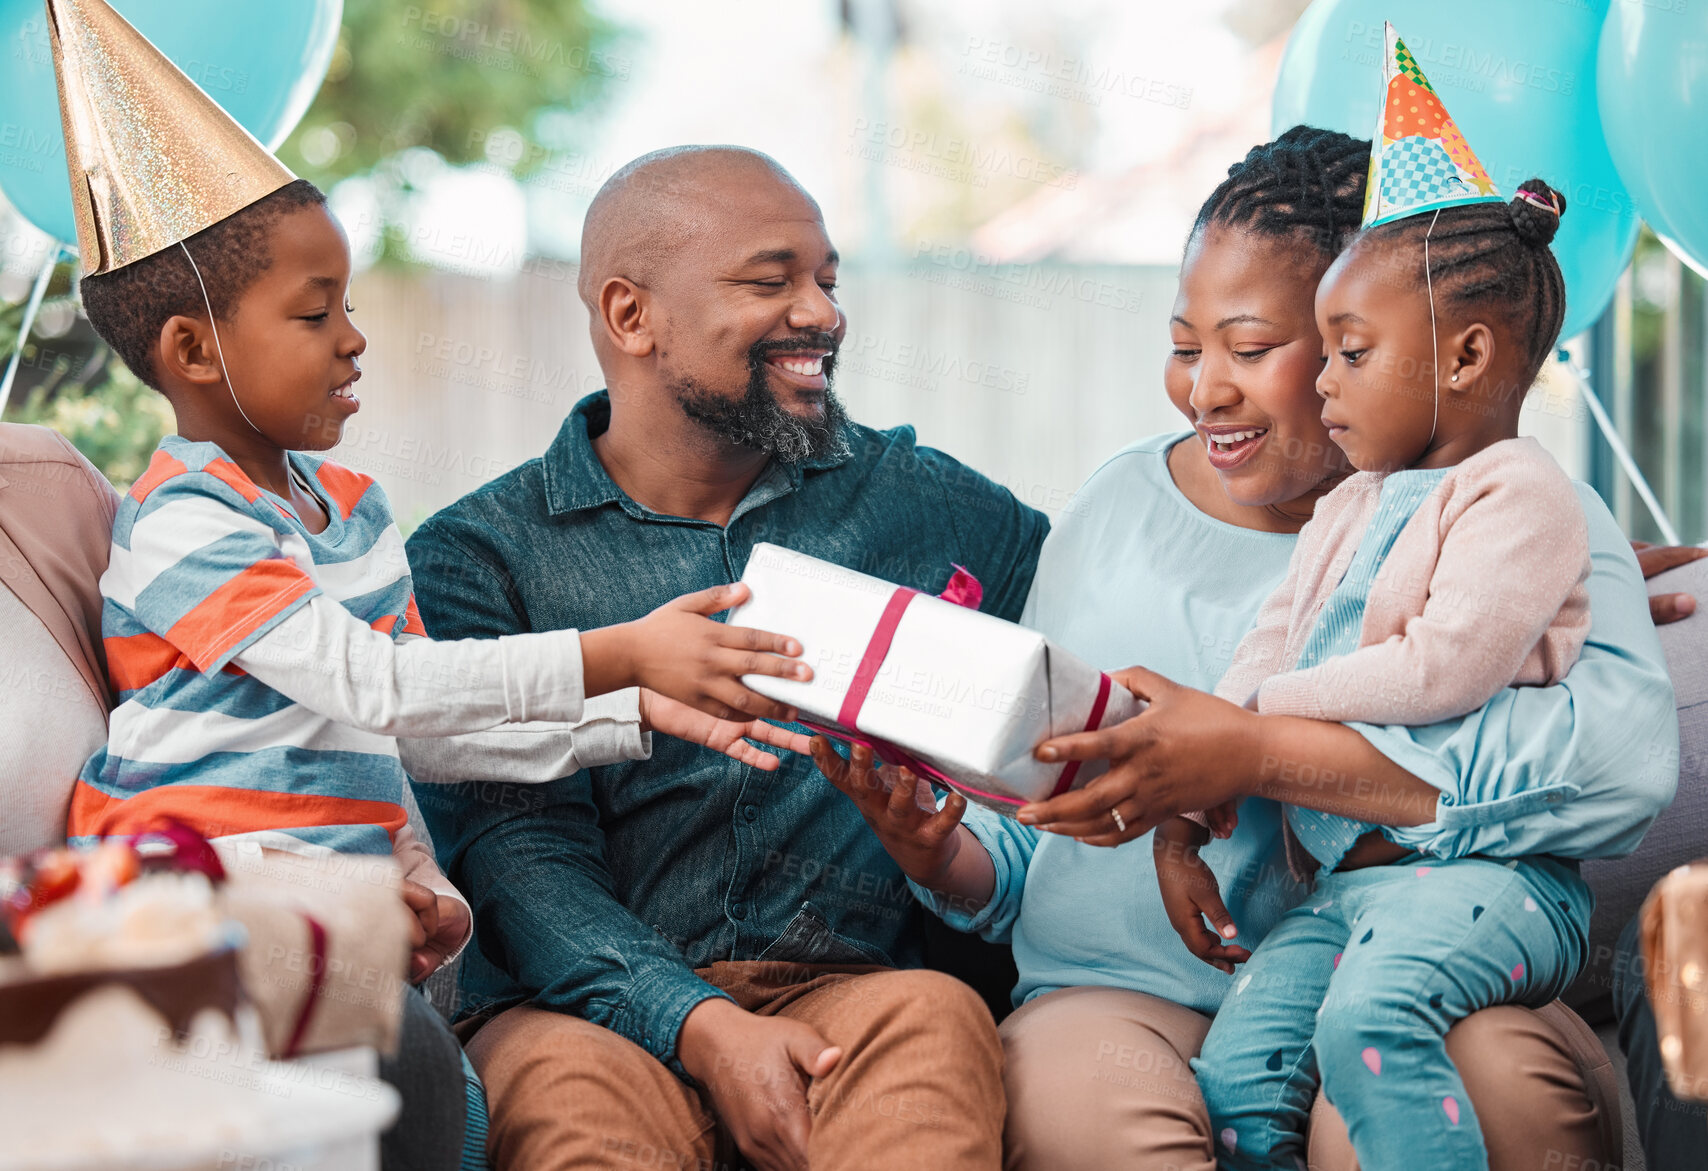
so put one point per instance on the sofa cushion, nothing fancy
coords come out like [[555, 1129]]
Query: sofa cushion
[[49, 725]]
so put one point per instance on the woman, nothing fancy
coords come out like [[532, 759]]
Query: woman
[[1163, 559]]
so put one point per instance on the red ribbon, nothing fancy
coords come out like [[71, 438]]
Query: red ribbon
[[1098, 707], [963, 590], [877, 650], [317, 973]]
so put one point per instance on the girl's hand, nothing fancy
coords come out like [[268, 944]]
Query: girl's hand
[[1187, 750], [1223, 818], [1190, 894], [660, 713], [900, 808]]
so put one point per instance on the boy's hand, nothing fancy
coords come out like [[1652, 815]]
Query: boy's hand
[[900, 808], [660, 713], [678, 651], [1190, 895], [441, 924]]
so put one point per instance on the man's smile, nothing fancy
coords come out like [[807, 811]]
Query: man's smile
[[802, 368]]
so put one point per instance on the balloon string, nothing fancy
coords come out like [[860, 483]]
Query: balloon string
[[1620, 452], [30, 310]]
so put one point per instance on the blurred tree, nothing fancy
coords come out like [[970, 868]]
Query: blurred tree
[[447, 75]]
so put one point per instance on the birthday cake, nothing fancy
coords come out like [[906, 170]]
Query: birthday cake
[[72, 921], [125, 1039]]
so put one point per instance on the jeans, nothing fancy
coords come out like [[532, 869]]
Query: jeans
[[1355, 991], [427, 1070]]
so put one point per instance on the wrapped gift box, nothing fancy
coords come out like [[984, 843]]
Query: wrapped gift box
[[1675, 968], [960, 696]]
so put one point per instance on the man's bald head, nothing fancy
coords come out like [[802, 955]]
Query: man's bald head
[[653, 207]]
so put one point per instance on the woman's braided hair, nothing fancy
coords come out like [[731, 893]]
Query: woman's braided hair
[[1493, 256], [1307, 185]]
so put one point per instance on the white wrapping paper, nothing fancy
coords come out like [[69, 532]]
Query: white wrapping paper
[[965, 693]]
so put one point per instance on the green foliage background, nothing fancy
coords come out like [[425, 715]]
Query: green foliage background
[[450, 76]]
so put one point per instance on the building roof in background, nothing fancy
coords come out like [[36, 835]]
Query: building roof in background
[[1140, 215]]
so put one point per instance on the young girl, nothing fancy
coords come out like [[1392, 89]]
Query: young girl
[[1449, 567]]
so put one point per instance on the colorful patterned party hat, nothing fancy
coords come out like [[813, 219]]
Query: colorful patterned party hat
[[1419, 160], [153, 159]]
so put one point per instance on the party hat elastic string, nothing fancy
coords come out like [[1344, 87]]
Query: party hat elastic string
[[220, 347], [1434, 346]]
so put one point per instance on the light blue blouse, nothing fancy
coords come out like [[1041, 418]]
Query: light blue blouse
[[1339, 628], [1133, 573]]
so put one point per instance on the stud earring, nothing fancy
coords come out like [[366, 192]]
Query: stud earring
[[1455, 378]]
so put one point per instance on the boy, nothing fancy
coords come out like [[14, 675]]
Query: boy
[[260, 629]]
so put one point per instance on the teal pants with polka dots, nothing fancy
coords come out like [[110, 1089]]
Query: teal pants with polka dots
[[1355, 990]]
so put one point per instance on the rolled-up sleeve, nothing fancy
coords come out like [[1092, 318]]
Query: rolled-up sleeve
[[1579, 769], [1010, 846]]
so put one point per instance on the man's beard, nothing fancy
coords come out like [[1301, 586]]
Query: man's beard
[[758, 422]]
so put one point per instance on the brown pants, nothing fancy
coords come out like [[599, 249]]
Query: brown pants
[[1098, 1077], [919, 1084]]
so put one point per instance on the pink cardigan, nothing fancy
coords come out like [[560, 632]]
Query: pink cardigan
[[1482, 589]]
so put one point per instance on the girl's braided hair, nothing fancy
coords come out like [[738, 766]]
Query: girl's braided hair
[[1495, 257]]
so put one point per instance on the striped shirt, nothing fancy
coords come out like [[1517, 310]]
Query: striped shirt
[[205, 563]]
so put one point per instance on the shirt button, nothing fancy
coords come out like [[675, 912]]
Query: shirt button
[[739, 910], [751, 812]]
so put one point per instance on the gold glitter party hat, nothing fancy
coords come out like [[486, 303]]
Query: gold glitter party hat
[[153, 159]]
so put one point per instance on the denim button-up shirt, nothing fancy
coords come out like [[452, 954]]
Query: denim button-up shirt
[[599, 893]]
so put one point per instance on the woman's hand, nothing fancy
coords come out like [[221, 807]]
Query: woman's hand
[[1190, 894], [1187, 750], [1653, 559], [660, 713]]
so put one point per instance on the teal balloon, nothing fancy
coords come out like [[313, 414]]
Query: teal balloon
[[1520, 80], [1652, 84], [262, 60]]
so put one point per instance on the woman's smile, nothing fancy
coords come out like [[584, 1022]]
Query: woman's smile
[[1230, 445]]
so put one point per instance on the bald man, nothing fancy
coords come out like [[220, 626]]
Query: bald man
[[681, 957]]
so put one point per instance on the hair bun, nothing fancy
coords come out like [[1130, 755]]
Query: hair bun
[[1536, 212]]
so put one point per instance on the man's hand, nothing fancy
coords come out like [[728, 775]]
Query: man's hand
[[441, 924], [1653, 559], [1187, 750], [678, 651], [900, 808], [1190, 894], [756, 1071], [930, 845], [660, 713]]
